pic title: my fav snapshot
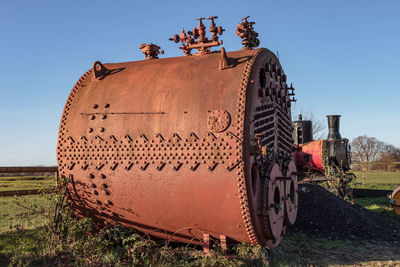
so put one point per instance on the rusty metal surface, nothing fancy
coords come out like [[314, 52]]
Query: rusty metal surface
[[395, 200], [169, 147]]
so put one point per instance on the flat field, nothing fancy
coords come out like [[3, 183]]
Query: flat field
[[22, 216], [24, 212], [27, 183], [380, 180]]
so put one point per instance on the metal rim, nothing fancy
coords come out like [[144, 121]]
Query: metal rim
[[292, 199], [274, 202]]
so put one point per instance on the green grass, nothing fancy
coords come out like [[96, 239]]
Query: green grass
[[23, 239], [300, 250], [27, 183], [11, 241], [376, 204], [23, 212], [37, 246], [117, 248], [377, 180]]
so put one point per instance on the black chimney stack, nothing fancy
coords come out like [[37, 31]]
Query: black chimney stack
[[302, 131], [333, 125]]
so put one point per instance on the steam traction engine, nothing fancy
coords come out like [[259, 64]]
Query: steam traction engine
[[187, 148], [323, 160]]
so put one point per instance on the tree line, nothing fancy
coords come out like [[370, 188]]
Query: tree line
[[372, 154]]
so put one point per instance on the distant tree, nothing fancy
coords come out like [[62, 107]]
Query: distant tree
[[389, 155], [318, 127], [366, 149]]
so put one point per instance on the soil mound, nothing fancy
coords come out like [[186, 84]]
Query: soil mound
[[322, 214]]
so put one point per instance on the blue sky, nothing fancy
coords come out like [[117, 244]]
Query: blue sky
[[343, 57]]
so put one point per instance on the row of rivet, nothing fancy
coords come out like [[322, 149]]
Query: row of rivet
[[243, 199], [61, 137], [143, 152]]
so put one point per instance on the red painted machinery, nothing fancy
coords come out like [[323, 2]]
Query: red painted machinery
[[322, 156], [186, 148]]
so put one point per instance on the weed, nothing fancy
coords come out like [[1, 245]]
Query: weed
[[64, 239], [55, 236]]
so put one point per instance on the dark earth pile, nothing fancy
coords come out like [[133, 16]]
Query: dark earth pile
[[322, 214]]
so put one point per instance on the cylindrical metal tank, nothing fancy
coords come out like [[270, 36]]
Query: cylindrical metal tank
[[315, 151], [183, 147]]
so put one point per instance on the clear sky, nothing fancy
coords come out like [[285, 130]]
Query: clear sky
[[342, 56]]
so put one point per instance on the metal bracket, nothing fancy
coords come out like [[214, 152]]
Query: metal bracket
[[225, 61], [144, 166], [113, 167], [129, 138], [178, 166], [160, 167], [71, 166], [100, 167], [195, 166], [84, 167], [99, 71], [129, 166]]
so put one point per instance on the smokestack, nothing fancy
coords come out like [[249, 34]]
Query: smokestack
[[333, 125], [302, 131]]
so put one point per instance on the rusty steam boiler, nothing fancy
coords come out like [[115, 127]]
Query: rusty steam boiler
[[394, 200], [188, 148]]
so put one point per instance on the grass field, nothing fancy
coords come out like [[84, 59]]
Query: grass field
[[295, 250], [27, 183], [23, 212], [377, 180], [21, 217], [376, 204], [300, 250]]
